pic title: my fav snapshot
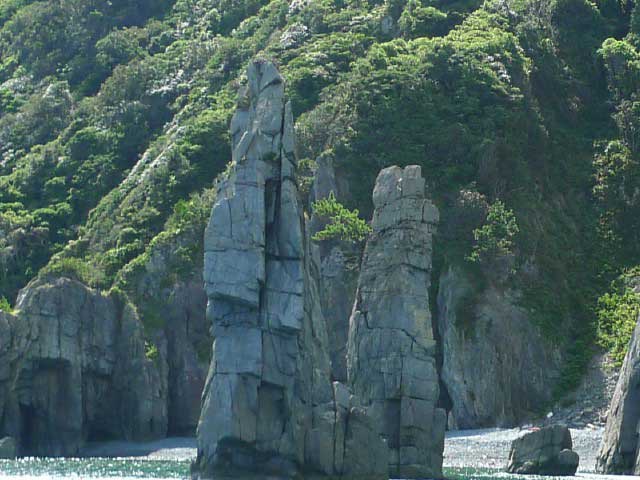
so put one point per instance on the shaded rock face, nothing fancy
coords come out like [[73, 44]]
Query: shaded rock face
[[619, 450], [77, 371], [391, 350], [269, 407], [487, 342], [338, 271], [179, 305], [186, 333], [6, 339], [547, 451]]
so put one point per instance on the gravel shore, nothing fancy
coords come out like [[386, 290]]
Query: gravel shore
[[465, 448], [174, 448], [490, 448]]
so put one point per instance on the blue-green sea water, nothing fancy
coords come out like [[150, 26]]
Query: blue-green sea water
[[132, 468], [92, 468]]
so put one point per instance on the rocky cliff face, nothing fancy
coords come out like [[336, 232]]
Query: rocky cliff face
[[619, 452], [392, 350], [488, 342], [173, 306], [74, 369], [78, 365], [269, 406]]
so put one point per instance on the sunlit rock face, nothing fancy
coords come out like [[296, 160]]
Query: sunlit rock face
[[391, 350], [619, 453], [269, 407]]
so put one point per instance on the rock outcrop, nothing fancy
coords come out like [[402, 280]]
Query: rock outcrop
[[74, 369], [547, 451], [619, 452], [488, 340], [269, 407], [8, 448], [392, 350]]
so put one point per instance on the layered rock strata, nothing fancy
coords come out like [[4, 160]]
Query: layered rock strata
[[619, 451], [391, 350], [269, 407]]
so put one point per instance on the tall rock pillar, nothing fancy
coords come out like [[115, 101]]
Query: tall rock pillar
[[391, 350], [269, 407]]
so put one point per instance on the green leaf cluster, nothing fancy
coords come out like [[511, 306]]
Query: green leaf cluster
[[617, 318], [343, 224], [497, 236]]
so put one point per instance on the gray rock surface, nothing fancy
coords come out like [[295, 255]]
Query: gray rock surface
[[339, 268], [488, 340], [77, 371], [269, 407], [8, 448], [175, 305], [391, 350], [547, 451], [619, 450]]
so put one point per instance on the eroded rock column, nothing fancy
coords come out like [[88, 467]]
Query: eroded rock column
[[391, 350], [269, 407]]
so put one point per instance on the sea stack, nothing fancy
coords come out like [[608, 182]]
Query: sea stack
[[269, 407], [391, 350]]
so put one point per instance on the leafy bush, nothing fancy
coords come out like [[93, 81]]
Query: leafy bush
[[5, 306], [617, 317], [76, 269], [496, 237], [422, 21], [151, 351], [343, 224]]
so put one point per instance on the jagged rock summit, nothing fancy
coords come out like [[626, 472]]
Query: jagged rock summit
[[619, 452], [391, 351], [269, 407]]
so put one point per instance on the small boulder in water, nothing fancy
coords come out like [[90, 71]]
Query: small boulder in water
[[8, 448], [547, 451]]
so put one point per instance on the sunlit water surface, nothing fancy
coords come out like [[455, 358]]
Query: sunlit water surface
[[468, 455], [92, 468], [132, 468]]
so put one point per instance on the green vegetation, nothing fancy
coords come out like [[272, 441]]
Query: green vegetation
[[496, 237], [524, 116], [151, 351], [618, 311], [617, 315], [343, 224], [5, 306]]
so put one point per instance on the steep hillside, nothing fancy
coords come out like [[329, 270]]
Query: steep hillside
[[522, 114]]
